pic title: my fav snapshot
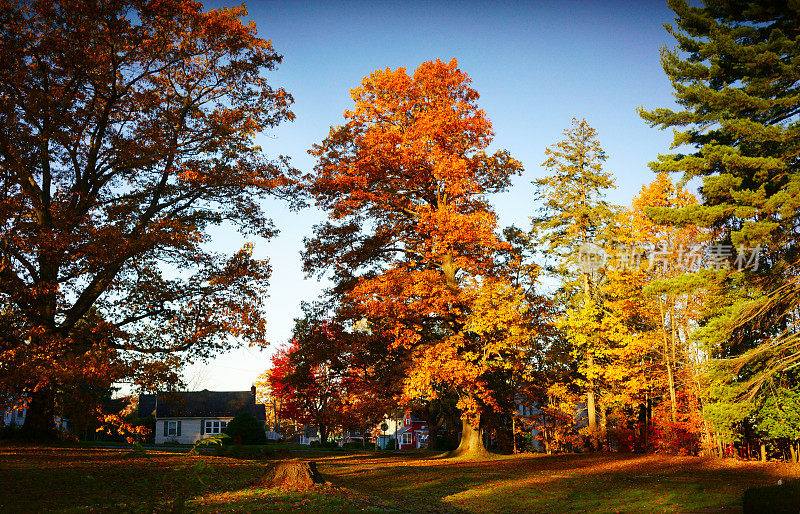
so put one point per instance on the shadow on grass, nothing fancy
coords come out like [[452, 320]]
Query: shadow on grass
[[565, 483], [42, 479]]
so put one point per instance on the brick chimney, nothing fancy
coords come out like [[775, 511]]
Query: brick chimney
[[253, 389]]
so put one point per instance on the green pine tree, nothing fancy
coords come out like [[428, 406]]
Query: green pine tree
[[736, 77], [574, 214]]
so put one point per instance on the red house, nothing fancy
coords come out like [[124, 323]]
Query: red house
[[413, 434]]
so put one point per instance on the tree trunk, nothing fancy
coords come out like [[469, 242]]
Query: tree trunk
[[670, 376], [323, 434], [591, 408], [590, 399], [449, 269], [471, 445], [604, 426], [514, 433], [433, 432], [292, 474], [763, 452], [39, 420]]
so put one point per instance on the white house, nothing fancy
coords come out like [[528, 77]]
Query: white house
[[185, 417], [16, 416]]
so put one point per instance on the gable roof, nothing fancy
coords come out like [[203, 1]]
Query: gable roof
[[201, 404]]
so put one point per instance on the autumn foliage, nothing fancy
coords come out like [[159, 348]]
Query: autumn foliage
[[412, 238], [126, 132]]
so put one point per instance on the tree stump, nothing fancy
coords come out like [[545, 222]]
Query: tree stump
[[292, 474]]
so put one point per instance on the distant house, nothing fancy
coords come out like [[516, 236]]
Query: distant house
[[16, 417], [383, 438], [185, 417], [413, 434], [273, 435], [308, 434]]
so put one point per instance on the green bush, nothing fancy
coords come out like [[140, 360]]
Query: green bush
[[245, 429], [244, 452], [776, 499], [353, 445]]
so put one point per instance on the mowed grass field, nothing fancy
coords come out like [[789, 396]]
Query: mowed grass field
[[80, 480]]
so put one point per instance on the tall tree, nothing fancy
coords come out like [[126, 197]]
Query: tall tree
[[654, 290], [411, 236], [736, 76], [307, 377], [573, 215], [127, 131]]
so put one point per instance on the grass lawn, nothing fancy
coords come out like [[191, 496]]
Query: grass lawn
[[81, 479]]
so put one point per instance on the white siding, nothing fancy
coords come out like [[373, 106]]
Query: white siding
[[12, 417], [191, 430]]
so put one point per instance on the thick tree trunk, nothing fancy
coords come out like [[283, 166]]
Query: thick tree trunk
[[763, 452], [323, 434], [471, 445], [433, 432], [449, 269], [39, 419], [292, 474]]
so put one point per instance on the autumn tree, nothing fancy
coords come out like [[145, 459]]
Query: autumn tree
[[126, 132], [653, 292], [736, 76], [411, 235], [307, 377], [573, 215]]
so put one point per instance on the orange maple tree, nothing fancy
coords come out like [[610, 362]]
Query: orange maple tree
[[412, 238], [126, 131]]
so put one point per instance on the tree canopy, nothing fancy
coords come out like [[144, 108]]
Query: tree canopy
[[126, 132], [411, 240]]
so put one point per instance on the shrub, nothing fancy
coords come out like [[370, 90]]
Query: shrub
[[244, 452], [774, 498], [10, 431], [245, 429]]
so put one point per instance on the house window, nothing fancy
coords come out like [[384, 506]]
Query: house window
[[172, 428], [406, 438], [215, 427]]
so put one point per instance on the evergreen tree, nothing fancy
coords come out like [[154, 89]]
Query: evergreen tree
[[574, 213], [736, 76]]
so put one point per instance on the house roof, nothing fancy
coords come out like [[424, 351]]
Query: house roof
[[201, 404], [147, 405]]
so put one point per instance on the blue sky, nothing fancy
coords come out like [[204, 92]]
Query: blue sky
[[535, 66]]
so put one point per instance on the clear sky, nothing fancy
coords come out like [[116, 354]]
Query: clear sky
[[535, 65]]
